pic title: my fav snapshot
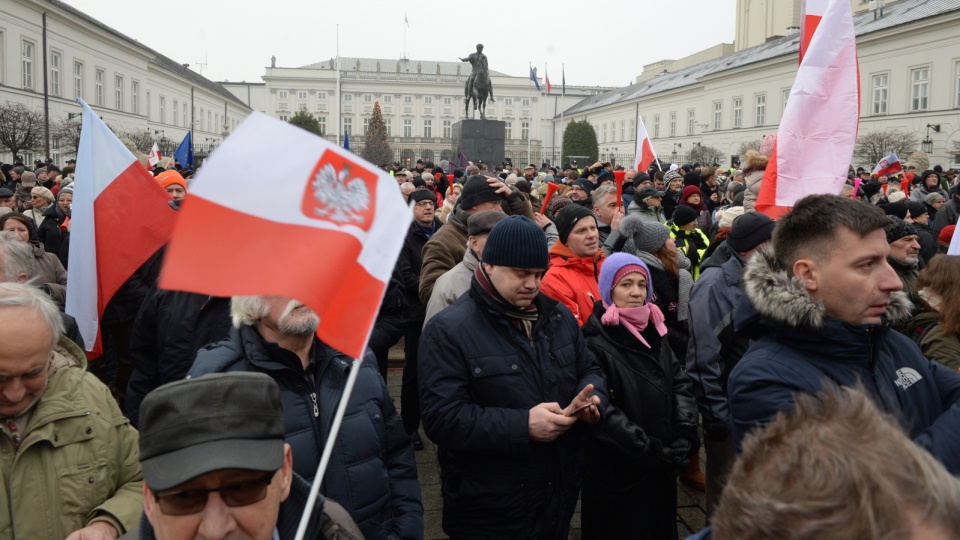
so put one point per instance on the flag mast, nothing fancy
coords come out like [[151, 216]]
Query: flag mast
[[563, 94], [339, 97]]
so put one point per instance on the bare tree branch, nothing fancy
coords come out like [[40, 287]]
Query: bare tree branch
[[20, 128], [876, 145]]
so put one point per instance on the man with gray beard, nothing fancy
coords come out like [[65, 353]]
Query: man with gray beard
[[372, 470]]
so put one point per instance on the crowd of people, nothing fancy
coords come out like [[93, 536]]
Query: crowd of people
[[565, 339]]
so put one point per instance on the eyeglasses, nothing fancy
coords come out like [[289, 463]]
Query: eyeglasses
[[191, 501], [424, 204]]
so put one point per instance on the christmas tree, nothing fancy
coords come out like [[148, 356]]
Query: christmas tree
[[376, 148]]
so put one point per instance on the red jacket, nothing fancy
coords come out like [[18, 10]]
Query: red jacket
[[573, 280]]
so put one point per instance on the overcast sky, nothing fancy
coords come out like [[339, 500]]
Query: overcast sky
[[601, 42]]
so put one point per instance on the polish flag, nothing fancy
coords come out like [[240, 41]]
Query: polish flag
[[326, 231], [120, 218], [818, 130], [888, 166], [154, 156], [813, 11], [645, 153]]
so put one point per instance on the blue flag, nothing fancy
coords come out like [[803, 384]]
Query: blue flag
[[184, 153], [462, 161], [533, 77], [346, 140]]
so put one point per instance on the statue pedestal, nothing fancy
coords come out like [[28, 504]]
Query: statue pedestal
[[480, 140]]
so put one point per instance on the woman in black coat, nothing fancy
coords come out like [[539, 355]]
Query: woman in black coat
[[50, 234], [650, 426]]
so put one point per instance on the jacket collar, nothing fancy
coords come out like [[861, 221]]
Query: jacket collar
[[783, 300]]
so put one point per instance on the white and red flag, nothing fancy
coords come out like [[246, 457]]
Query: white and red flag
[[813, 11], [327, 230], [888, 166], [154, 156], [645, 153], [120, 218], [818, 130]]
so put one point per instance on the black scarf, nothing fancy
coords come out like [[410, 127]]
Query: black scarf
[[522, 318]]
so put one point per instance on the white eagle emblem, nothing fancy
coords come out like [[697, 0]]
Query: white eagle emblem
[[343, 199]]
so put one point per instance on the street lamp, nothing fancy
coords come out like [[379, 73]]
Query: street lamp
[[927, 144]]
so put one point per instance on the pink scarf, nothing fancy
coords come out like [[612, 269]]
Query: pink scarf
[[635, 319]]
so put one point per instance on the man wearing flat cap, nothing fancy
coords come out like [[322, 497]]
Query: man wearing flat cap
[[215, 465]]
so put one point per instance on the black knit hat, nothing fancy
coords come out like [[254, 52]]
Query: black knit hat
[[749, 231], [604, 176], [516, 242], [898, 209], [423, 195], [897, 229], [476, 191], [568, 217], [916, 209], [683, 215]]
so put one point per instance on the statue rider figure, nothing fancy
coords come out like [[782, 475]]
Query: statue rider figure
[[479, 62]]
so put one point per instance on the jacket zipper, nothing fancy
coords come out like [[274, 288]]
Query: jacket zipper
[[316, 408]]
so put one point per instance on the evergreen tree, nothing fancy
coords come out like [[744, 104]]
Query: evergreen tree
[[376, 148], [305, 120], [580, 139]]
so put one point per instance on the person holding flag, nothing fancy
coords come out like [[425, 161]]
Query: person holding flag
[[305, 319], [376, 480]]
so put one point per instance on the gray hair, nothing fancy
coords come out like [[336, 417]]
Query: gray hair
[[601, 192], [247, 310], [17, 257], [14, 295]]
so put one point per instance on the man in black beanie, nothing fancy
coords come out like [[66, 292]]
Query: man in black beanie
[[580, 192], [575, 262], [715, 348], [506, 386], [446, 248]]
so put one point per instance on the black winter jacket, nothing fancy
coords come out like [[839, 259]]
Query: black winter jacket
[[411, 261], [650, 397], [479, 378], [167, 333], [49, 232], [372, 470], [801, 349]]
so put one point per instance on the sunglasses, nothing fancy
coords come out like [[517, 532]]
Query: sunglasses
[[191, 501]]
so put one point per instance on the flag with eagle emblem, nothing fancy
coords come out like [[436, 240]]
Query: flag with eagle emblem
[[334, 250]]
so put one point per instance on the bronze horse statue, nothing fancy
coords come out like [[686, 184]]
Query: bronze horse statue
[[480, 91]]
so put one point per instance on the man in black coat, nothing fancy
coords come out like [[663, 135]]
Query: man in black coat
[[372, 470], [507, 388], [425, 224], [169, 329]]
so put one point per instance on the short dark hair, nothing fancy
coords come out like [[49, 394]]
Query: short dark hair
[[810, 229]]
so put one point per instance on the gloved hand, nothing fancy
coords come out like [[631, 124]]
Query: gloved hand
[[678, 451]]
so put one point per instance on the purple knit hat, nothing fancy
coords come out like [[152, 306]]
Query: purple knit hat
[[610, 270]]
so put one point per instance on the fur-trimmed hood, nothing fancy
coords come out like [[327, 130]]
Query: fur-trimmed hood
[[782, 299]]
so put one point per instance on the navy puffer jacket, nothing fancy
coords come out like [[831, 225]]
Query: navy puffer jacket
[[372, 470]]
